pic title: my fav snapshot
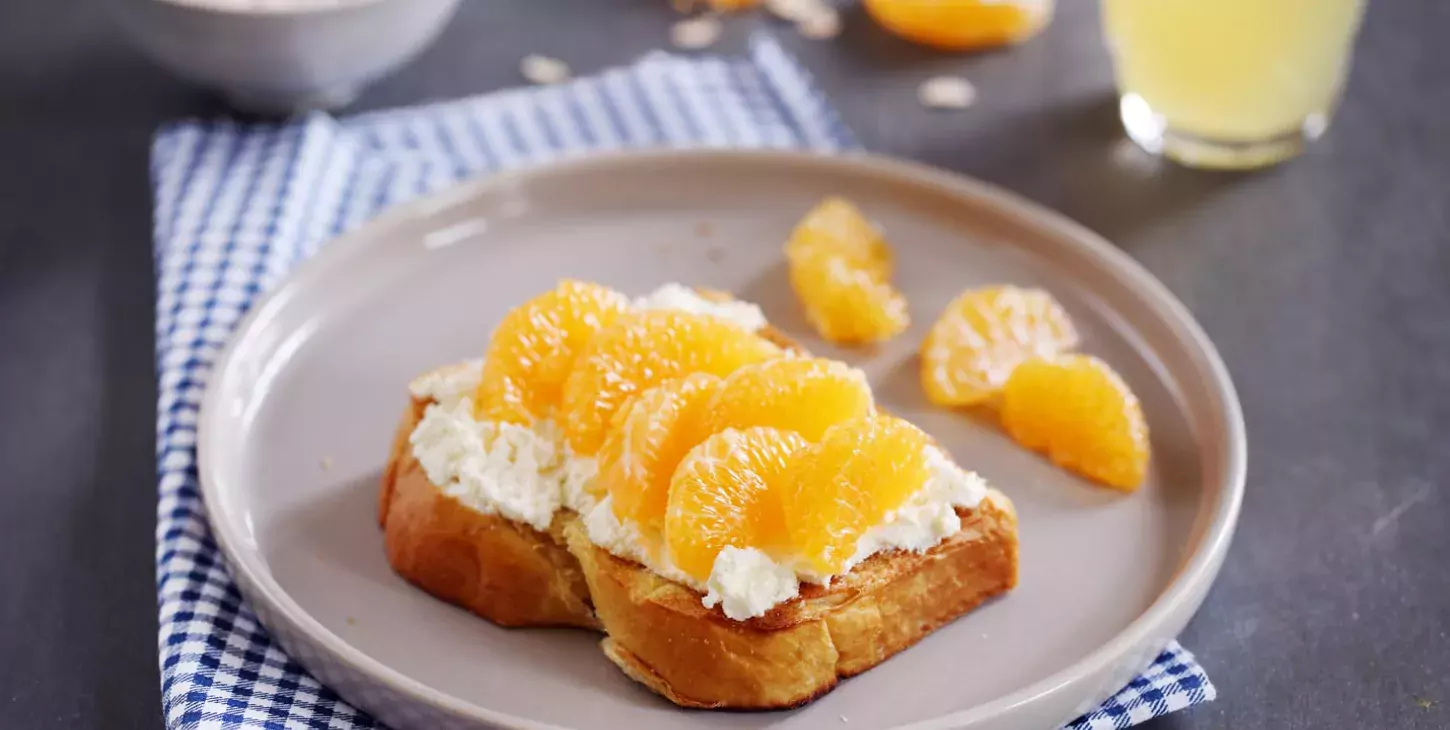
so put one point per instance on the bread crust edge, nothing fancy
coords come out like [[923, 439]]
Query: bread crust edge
[[662, 637]]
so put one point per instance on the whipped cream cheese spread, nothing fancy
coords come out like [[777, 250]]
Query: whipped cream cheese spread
[[681, 298], [579, 471], [449, 384], [495, 468], [747, 583], [527, 474]]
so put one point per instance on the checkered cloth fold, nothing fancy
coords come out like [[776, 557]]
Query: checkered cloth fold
[[237, 206]]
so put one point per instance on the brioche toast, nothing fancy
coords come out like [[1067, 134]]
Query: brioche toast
[[658, 631]]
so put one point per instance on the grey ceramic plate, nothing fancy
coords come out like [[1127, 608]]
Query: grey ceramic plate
[[316, 377]]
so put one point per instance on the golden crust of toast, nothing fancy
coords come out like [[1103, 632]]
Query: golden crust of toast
[[506, 572], [661, 636]]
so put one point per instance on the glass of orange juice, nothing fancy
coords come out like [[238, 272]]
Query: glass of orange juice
[[1229, 83]]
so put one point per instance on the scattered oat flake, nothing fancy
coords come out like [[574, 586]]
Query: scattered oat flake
[[539, 69], [694, 34], [796, 11], [351, 621], [820, 25], [947, 92], [326, 463]]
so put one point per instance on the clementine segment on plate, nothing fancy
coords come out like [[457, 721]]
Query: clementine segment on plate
[[961, 25], [534, 347], [840, 269], [804, 395], [640, 455], [836, 226], [641, 350], [983, 335], [847, 483], [726, 493], [1080, 413]]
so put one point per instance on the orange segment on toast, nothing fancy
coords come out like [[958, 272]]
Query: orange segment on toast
[[961, 25], [722, 495], [840, 269], [804, 395], [640, 455], [983, 335], [1075, 409], [847, 483], [534, 347], [641, 350]]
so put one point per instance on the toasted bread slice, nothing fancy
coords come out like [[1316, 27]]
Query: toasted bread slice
[[662, 637], [506, 572], [659, 633]]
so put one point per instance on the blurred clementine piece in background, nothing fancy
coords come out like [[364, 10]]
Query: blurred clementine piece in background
[[962, 25], [726, 6]]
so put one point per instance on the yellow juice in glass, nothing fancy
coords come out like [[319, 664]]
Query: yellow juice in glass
[[1229, 83]]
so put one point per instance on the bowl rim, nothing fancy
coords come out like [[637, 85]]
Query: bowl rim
[[310, 8], [1173, 607]]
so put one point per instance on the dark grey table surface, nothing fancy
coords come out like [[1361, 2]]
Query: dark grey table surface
[[1325, 283]]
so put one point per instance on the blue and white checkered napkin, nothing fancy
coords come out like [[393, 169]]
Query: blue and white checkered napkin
[[238, 206]]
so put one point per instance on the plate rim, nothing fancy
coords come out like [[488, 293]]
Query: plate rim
[[1176, 603]]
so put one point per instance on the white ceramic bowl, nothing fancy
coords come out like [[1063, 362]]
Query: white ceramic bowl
[[274, 59]]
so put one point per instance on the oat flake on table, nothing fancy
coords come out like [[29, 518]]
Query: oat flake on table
[[795, 10], [544, 70], [946, 92], [820, 25], [694, 34]]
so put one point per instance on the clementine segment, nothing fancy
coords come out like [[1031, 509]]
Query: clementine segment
[[846, 484], [641, 350], [1080, 413], [983, 335], [725, 493], [840, 269], [804, 395], [838, 227], [640, 455], [534, 347]]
